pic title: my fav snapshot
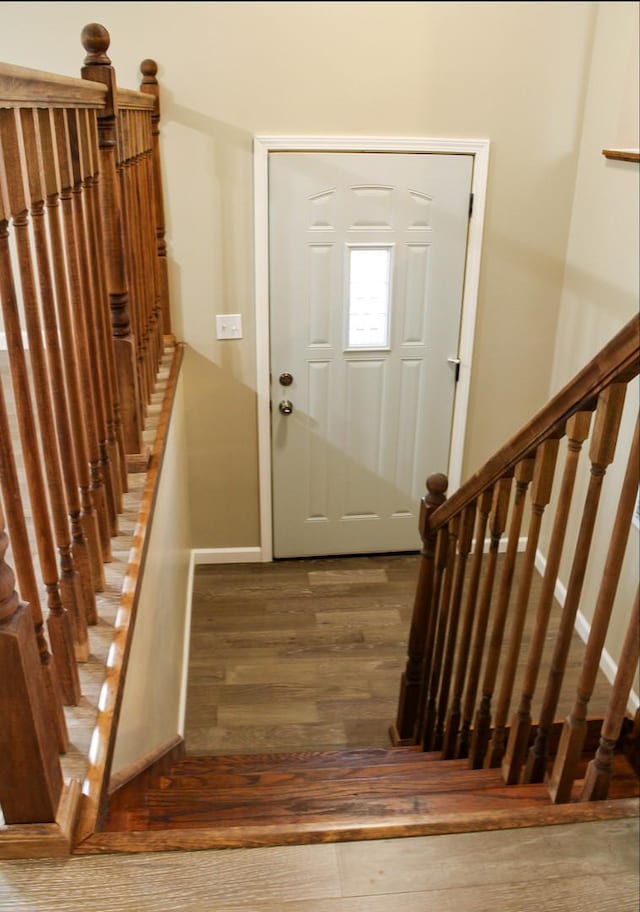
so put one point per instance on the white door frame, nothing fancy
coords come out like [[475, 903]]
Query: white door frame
[[262, 146]]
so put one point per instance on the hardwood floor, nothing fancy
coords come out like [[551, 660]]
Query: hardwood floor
[[307, 654], [585, 866]]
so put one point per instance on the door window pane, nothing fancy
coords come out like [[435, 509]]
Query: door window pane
[[369, 283]]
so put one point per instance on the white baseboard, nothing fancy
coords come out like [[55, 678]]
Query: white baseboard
[[226, 555], [502, 547], [186, 645], [608, 666]]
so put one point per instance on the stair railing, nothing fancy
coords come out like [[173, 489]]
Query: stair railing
[[467, 638], [84, 306]]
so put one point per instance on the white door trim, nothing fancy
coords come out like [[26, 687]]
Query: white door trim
[[262, 146]]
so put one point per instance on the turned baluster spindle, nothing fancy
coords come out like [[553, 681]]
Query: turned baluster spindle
[[148, 223], [482, 726], [540, 495], [464, 540], [497, 523], [577, 432], [575, 726], [601, 453], [95, 40], [149, 85], [152, 220], [79, 384], [445, 559], [410, 683], [598, 775], [30, 775], [99, 308], [86, 320], [62, 430], [60, 620], [78, 433], [454, 713], [15, 155], [21, 548], [131, 223], [103, 296]]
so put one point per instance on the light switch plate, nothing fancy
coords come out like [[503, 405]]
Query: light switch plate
[[228, 326]]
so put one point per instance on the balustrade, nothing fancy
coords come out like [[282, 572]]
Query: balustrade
[[68, 271]]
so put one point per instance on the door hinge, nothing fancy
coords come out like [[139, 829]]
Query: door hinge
[[456, 364], [470, 205]]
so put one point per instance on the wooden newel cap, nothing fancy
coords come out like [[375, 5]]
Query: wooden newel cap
[[437, 484], [149, 67], [95, 40]]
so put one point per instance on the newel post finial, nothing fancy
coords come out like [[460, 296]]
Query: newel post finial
[[96, 40], [149, 70]]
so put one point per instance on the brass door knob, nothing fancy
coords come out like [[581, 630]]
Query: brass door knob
[[285, 407]]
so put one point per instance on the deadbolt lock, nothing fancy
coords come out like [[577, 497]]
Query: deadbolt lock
[[286, 379]]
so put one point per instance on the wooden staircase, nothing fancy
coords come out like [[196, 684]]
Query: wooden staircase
[[328, 796]]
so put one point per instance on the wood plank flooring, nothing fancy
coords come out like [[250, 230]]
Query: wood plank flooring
[[307, 654], [587, 866]]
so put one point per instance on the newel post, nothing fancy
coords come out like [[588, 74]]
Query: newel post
[[97, 67], [30, 775], [149, 85], [403, 732]]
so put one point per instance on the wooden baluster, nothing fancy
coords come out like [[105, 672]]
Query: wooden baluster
[[132, 238], [452, 724], [17, 173], [86, 319], [517, 746], [21, 548], [464, 542], [403, 732], [445, 559], [148, 223], [95, 40], [540, 495], [103, 296], [497, 523], [598, 775], [149, 85], [61, 596], [78, 443], [601, 453], [575, 726], [100, 306], [482, 726], [81, 392], [151, 222], [30, 775], [62, 430]]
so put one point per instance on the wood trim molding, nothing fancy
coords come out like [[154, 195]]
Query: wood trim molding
[[44, 840], [262, 146], [168, 751], [104, 734], [627, 155]]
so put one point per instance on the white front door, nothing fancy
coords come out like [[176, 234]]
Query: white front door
[[366, 260]]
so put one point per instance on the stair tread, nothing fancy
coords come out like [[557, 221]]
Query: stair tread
[[277, 775], [303, 759], [340, 812], [270, 787]]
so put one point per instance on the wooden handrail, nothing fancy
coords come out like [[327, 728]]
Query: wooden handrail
[[21, 87], [618, 361]]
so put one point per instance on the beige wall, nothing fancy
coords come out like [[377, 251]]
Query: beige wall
[[153, 690], [600, 289], [514, 73]]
